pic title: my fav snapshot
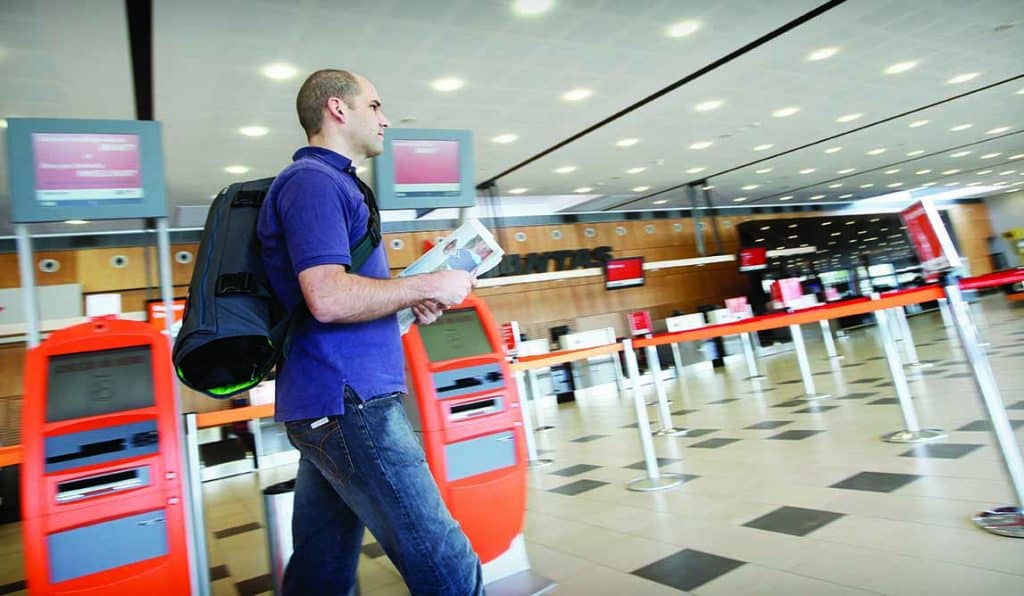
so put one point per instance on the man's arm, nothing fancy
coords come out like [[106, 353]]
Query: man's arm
[[336, 296]]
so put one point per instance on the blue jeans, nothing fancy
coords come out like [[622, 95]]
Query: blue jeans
[[367, 467]]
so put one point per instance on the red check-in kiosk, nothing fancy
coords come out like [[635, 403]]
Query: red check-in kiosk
[[102, 490], [467, 409]]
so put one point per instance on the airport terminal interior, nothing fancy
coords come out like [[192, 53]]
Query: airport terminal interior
[[749, 315]]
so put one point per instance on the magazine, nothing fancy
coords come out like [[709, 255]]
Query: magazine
[[471, 247]]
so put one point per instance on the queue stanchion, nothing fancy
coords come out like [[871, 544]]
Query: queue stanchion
[[654, 480], [677, 362], [947, 319], [531, 378], [197, 521], [830, 340], [912, 433], [908, 340], [810, 393], [748, 354], [1004, 521], [531, 440], [620, 381], [664, 415]]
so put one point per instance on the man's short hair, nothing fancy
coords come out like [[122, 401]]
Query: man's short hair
[[313, 94]]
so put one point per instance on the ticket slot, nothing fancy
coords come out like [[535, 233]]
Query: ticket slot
[[476, 408], [89, 450], [102, 484]]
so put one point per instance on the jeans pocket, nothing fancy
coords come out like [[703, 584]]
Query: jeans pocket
[[386, 424], [323, 444]]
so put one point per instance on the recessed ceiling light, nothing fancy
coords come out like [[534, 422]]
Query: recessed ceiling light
[[696, 170], [917, 123], [866, 185], [849, 117], [565, 170], [577, 94], [808, 171], [447, 84], [1018, 156], [983, 172], [1007, 172], [822, 54], [826, 223], [763, 228], [816, 197], [236, 169], [1021, 92], [750, 187], [707, 187], [660, 201], [997, 130], [923, 172], [504, 139], [950, 172], [845, 196], [584, 189], [952, 184], [893, 171], [682, 28], [707, 106], [531, 8], [960, 153], [75, 222], [915, 152], [641, 188], [963, 78], [517, 191], [900, 67], [739, 199], [764, 147], [836, 185], [878, 151], [895, 185], [927, 184], [960, 127], [990, 155], [763, 171], [973, 183], [701, 145], [627, 142], [3, 123], [253, 131], [279, 71], [787, 111], [635, 170], [846, 170]]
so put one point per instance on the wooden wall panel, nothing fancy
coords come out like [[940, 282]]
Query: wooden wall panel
[[12, 363], [973, 228], [97, 274], [181, 273], [66, 274]]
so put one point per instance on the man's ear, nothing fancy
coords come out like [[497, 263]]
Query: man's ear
[[337, 107]]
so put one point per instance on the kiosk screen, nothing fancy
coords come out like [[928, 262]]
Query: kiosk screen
[[457, 334], [101, 382]]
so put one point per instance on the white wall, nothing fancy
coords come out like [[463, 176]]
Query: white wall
[[1006, 211]]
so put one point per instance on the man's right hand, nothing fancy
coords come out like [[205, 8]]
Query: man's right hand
[[450, 287]]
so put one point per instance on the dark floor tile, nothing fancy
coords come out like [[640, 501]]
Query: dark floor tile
[[588, 438], [683, 412], [879, 482], [580, 486], [13, 587], [216, 573], [790, 382], [693, 433], [574, 470], [814, 409], [662, 461], [255, 585], [722, 401], [941, 451], [762, 390], [795, 521], [545, 427], [631, 425], [868, 380], [874, 358], [543, 451], [883, 384], [1017, 406], [959, 376], [236, 530], [856, 395], [768, 424], [688, 569], [714, 443], [885, 401], [854, 365], [794, 435], [373, 550], [791, 403], [986, 425]]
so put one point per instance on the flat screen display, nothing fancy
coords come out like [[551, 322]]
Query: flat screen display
[[426, 168], [75, 167], [753, 259], [457, 334], [624, 273], [96, 383]]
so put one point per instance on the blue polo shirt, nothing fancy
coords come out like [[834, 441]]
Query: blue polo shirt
[[314, 213]]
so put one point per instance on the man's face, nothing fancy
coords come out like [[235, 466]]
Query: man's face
[[366, 120]]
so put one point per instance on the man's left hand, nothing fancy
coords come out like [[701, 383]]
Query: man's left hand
[[427, 312]]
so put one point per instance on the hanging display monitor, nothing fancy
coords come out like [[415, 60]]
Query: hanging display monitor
[[62, 169], [425, 169], [626, 272]]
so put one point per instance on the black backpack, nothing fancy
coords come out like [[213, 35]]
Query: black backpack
[[234, 330]]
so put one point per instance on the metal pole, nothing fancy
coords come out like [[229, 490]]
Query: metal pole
[[620, 382], [198, 560], [714, 219], [677, 362], [908, 340], [664, 416], [947, 319], [830, 341], [805, 366], [698, 233], [654, 480], [912, 432], [531, 378], [748, 353], [29, 300], [1005, 521], [531, 444]]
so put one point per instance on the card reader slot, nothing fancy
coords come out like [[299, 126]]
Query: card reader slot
[[471, 409], [89, 450], [100, 484], [473, 406], [461, 383]]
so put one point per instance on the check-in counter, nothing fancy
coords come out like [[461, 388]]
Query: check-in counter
[[595, 371]]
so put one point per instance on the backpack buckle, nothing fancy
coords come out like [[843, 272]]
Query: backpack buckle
[[236, 283]]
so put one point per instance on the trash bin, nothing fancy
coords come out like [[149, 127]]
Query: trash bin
[[278, 501], [562, 383]]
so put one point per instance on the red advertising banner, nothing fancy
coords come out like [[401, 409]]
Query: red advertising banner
[[738, 306], [155, 314], [752, 259], [510, 337], [624, 273], [79, 166], [426, 165], [640, 322], [929, 237]]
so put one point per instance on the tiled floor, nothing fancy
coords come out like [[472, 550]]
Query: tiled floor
[[782, 495]]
